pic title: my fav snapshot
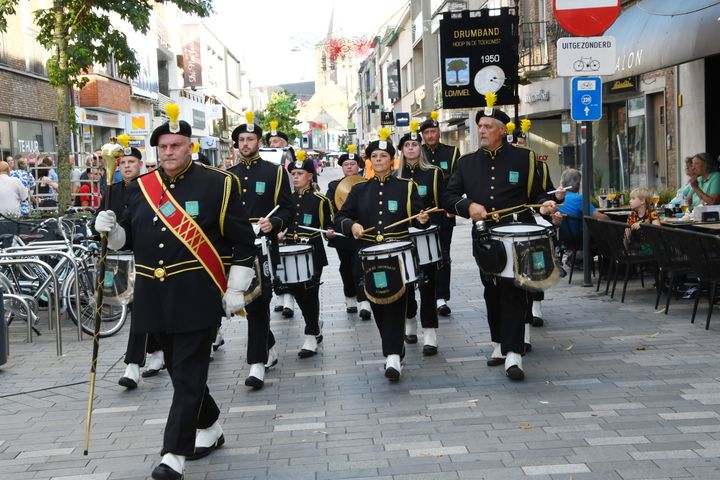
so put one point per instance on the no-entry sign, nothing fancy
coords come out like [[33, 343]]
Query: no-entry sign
[[586, 18]]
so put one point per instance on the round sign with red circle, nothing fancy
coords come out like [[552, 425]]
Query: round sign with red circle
[[586, 18]]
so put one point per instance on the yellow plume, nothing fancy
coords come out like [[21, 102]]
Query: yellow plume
[[249, 116], [300, 156], [510, 127], [124, 140], [173, 111], [414, 125], [351, 149], [490, 99], [525, 125], [196, 147], [273, 125], [384, 134], [434, 115]]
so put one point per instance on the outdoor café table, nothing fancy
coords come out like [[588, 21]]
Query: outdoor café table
[[619, 214], [705, 227]]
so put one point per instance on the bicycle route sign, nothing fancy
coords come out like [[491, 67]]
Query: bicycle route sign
[[586, 99], [580, 56]]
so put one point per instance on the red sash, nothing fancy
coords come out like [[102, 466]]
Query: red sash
[[186, 230]]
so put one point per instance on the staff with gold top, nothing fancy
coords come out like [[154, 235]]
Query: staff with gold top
[[194, 249], [378, 203]]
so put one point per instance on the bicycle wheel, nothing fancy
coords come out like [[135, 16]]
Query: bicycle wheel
[[112, 317]]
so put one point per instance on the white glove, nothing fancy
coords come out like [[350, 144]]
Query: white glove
[[239, 281], [106, 222]]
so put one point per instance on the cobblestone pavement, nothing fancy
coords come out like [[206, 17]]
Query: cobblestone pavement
[[613, 391]]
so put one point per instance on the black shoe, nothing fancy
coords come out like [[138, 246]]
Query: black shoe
[[254, 382], [528, 348], [288, 313], [216, 346], [306, 353], [444, 310], [365, 314], [351, 309], [494, 362], [319, 339], [430, 350], [201, 452], [149, 373], [128, 383], [537, 322], [278, 308], [392, 374], [163, 472], [411, 339], [515, 373]]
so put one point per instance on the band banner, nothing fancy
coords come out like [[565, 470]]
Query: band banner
[[478, 55]]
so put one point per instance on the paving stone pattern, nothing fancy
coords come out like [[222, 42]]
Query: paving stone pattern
[[613, 392]]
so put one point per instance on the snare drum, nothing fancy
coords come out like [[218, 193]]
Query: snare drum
[[427, 244], [296, 262], [529, 250], [382, 251]]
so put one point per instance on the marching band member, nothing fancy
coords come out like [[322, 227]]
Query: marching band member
[[445, 157], [497, 176], [312, 210], [343, 245], [130, 165], [184, 222], [381, 201], [264, 186], [429, 179], [277, 139]]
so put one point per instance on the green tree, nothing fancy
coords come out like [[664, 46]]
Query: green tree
[[456, 66], [282, 108], [79, 34]]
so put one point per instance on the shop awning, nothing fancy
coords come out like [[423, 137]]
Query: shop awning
[[654, 34]]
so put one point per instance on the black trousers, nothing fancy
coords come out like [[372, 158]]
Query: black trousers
[[187, 359], [138, 345], [508, 308], [442, 285], [307, 296], [260, 337], [347, 267], [428, 312], [390, 320]]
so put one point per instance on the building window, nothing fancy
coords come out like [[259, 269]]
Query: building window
[[234, 85], [406, 81]]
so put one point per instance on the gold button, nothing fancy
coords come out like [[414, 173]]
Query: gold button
[[162, 245], [380, 193], [492, 168], [172, 185], [492, 178], [163, 229], [381, 184], [161, 262], [492, 198], [245, 178], [492, 187], [297, 205], [493, 209], [379, 222], [244, 189], [243, 203], [159, 273], [380, 212], [380, 202], [162, 279]]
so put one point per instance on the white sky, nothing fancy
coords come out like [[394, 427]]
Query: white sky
[[277, 38]]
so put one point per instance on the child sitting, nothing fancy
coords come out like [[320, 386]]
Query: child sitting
[[642, 212]]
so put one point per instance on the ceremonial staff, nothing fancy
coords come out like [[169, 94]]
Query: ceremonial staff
[[110, 153]]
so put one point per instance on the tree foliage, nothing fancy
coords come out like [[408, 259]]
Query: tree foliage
[[79, 34], [282, 108]]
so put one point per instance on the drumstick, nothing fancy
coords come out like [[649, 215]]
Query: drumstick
[[272, 211], [561, 189], [313, 229], [408, 219]]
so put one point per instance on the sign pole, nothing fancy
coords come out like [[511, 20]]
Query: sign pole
[[586, 155]]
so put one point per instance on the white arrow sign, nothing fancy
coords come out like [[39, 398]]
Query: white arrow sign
[[587, 111]]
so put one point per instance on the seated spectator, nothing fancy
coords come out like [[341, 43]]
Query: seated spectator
[[705, 182], [12, 192], [572, 207], [642, 212], [90, 193]]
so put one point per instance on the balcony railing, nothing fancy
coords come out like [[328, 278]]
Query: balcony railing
[[534, 45]]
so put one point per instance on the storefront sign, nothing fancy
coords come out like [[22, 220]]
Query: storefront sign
[[209, 143], [478, 56], [198, 119], [192, 63], [87, 116], [621, 85], [138, 124], [387, 118], [544, 96]]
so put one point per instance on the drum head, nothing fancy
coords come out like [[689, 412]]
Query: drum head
[[388, 247], [420, 231], [518, 229], [291, 249]]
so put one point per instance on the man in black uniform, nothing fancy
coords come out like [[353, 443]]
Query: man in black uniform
[[185, 225], [444, 157], [264, 186], [396, 199], [312, 210], [138, 343], [343, 245], [498, 176]]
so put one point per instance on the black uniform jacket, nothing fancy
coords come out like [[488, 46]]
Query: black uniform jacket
[[444, 157], [377, 203], [341, 243], [264, 185], [312, 209], [503, 178], [185, 298], [430, 185], [118, 198]]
